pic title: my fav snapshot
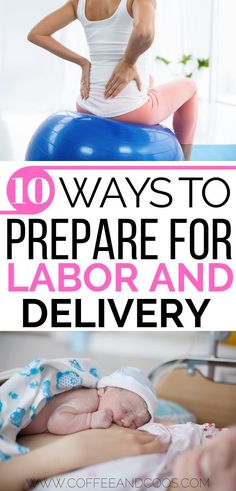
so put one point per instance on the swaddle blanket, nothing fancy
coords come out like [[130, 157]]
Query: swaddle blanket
[[27, 392]]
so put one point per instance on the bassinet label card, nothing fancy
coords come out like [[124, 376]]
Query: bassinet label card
[[110, 246]]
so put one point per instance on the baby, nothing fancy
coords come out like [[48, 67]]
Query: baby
[[126, 397]]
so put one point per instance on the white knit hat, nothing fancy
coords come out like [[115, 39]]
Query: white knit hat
[[133, 379]]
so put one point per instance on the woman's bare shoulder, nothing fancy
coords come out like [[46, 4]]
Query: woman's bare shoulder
[[130, 3]]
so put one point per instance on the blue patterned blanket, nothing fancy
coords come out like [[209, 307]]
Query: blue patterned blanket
[[27, 392]]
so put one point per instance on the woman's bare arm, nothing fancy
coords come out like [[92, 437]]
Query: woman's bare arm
[[42, 33], [66, 420], [141, 39], [75, 451], [143, 31]]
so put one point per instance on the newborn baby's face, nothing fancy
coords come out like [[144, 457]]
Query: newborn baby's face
[[129, 409]]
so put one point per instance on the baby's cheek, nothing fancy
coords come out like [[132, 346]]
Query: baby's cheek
[[140, 421]]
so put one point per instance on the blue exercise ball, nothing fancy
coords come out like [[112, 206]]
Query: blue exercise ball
[[74, 136]]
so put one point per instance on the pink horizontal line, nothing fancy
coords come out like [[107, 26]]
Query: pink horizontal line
[[139, 167], [11, 212]]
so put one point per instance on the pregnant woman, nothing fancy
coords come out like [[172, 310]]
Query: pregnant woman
[[116, 83]]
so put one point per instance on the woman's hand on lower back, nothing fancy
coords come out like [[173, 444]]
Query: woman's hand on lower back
[[85, 79], [122, 74]]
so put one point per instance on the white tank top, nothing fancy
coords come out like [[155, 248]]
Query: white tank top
[[107, 40]]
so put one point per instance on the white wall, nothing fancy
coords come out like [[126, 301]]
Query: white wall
[[183, 27], [226, 59]]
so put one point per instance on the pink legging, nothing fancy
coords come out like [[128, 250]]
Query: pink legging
[[178, 97]]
